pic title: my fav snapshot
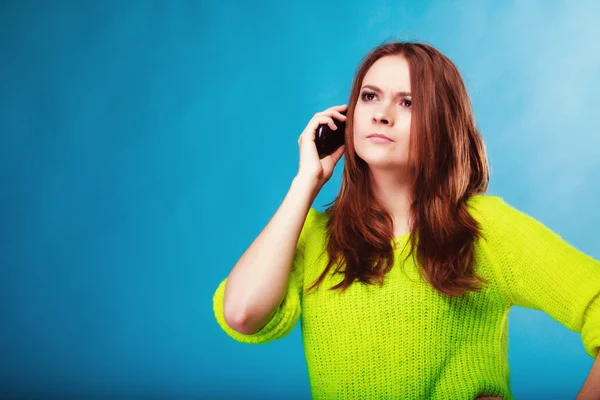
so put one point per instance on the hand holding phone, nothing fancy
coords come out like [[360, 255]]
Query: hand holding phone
[[316, 166], [328, 140]]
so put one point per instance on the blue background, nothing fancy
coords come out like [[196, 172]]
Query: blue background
[[145, 144]]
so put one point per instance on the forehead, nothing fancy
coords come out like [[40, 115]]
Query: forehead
[[389, 73]]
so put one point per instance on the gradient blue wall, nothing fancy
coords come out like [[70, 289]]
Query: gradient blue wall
[[144, 145]]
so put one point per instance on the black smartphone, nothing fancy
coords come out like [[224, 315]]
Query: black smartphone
[[328, 140]]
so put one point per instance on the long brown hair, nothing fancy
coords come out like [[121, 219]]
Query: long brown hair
[[447, 164]]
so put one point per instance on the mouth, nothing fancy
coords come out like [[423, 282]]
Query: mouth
[[378, 137]]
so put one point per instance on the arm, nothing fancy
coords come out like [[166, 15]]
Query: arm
[[591, 387], [535, 268], [249, 299]]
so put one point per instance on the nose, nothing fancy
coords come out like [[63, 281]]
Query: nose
[[381, 117]]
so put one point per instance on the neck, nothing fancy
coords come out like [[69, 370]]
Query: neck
[[393, 191]]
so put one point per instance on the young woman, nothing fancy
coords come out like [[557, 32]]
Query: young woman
[[406, 280]]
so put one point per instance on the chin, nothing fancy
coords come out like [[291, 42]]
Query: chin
[[382, 160]]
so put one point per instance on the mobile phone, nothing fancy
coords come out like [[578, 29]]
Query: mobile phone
[[328, 140]]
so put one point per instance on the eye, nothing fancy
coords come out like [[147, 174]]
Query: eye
[[366, 96], [407, 103]]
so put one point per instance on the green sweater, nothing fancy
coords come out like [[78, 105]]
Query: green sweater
[[405, 340]]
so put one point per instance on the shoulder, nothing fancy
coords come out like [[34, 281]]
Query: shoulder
[[315, 225], [316, 220], [490, 208], [498, 218], [493, 213], [486, 203]]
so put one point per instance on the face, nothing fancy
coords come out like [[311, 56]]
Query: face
[[384, 107]]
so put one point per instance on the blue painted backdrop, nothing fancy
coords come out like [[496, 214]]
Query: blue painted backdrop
[[144, 145]]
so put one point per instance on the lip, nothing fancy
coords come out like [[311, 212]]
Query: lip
[[379, 137]]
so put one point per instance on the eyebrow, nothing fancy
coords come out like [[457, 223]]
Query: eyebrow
[[376, 89]]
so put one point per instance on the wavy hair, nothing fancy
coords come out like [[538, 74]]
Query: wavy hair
[[447, 163]]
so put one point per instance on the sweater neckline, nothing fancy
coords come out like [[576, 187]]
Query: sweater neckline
[[400, 240]]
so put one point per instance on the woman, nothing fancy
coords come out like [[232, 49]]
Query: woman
[[406, 280]]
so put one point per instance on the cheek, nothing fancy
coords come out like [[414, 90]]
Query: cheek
[[357, 125], [404, 126], [406, 120], [358, 117]]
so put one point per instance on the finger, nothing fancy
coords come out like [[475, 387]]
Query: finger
[[332, 110], [340, 107], [340, 116], [332, 124], [315, 122], [324, 119], [337, 111]]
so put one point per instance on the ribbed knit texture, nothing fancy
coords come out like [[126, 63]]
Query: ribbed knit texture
[[407, 341]]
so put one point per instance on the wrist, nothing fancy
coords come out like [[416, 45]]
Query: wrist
[[306, 184]]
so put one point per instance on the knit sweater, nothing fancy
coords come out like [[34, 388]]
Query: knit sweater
[[405, 340]]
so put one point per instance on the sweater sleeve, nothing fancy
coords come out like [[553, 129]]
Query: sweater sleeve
[[288, 312], [537, 269]]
